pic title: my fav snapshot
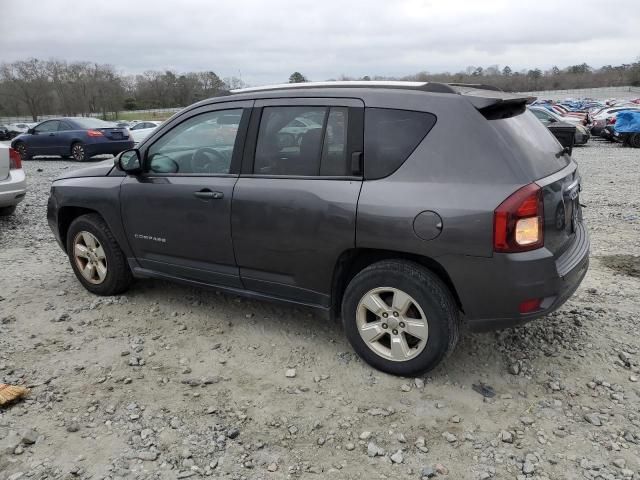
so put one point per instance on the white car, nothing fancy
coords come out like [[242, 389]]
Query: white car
[[13, 185], [142, 130]]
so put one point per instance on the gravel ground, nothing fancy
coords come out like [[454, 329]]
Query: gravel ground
[[173, 382]]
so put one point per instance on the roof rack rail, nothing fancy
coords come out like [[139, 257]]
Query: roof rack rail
[[424, 86]]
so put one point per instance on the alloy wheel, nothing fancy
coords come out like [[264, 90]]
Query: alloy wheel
[[78, 152], [392, 324], [90, 257]]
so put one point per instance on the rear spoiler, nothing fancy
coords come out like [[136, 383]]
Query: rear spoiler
[[492, 102]]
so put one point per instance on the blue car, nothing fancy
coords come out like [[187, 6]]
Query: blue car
[[79, 138]]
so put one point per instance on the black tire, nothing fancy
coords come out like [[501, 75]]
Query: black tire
[[6, 211], [78, 152], [118, 277], [433, 297], [22, 149], [634, 140]]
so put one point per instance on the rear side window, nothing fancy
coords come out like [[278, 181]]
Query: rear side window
[[390, 136], [302, 141]]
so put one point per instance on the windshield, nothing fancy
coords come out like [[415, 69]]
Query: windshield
[[527, 139]]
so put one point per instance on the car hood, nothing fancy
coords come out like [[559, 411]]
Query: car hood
[[101, 169]]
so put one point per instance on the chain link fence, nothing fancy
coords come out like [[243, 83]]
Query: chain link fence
[[600, 93]]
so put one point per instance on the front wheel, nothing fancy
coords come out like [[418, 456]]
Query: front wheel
[[95, 256], [78, 152], [400, 317]]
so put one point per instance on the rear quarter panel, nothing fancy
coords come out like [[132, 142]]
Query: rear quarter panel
[[458, 171]]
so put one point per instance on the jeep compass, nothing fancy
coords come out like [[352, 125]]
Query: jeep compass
[[403, 208]]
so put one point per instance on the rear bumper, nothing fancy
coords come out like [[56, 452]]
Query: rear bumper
[[13, 189], [108, 148], [492, 289]]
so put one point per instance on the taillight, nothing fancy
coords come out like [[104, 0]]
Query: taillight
[[15, 162], [518, 223], [611, 120], [94, 133]]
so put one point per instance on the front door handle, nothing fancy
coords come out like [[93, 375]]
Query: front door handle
[[52, 134], [208, 195]]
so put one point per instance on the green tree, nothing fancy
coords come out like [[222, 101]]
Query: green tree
[[506, 71], [297, 77]]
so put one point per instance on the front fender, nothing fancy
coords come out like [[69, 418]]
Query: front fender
[[72, 197]]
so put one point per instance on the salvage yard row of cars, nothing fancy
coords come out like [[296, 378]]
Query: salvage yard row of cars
[[615, 120]]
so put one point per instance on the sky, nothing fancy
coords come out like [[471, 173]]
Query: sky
[[265, 41]]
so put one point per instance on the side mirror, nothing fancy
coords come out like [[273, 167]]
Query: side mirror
[[31, 131], [129, 161]]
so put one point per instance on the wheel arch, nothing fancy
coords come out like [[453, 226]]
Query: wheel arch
[[354, 260], [66, 215]]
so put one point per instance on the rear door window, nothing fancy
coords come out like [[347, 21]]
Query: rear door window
[[390, 136], [302, 141]]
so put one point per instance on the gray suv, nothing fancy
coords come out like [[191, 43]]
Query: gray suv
[[405, 209]]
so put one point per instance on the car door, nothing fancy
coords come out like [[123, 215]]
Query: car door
[[44, 139], [294, 206], [64, 138], [177, 213]]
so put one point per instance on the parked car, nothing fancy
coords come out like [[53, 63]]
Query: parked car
[[553, 121], [606, 116], [141, 130], [16, 129], [13, 186], [4, 132], [627, 128], [414, 205], [79, 138]]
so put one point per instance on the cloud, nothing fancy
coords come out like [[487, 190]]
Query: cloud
[[265, 41]]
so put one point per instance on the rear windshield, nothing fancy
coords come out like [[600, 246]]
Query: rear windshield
[[92, 123], [531, 142]]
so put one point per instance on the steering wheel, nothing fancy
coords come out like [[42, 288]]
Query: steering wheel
[[209, 160]]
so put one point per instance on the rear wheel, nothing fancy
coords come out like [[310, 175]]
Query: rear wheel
[[78, 152], [96, 257], [5, 211], [634, 140], [21, 148], [400, 317]]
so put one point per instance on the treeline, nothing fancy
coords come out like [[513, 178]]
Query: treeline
[[39, 87], [36, 87], [575, 76]]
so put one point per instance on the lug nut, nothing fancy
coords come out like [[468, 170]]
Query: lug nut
[[401, 324], [385, 315], [395, 314], [385, 326], [395, 332]]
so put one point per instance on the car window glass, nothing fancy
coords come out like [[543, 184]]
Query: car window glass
[[305, 141], [542, 115], [334, 151], [390, 137], [200, 145], [290, 141], [64, 126], [50, 126]]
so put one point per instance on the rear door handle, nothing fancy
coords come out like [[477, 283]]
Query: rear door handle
[[208, 195], [52, 134]]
